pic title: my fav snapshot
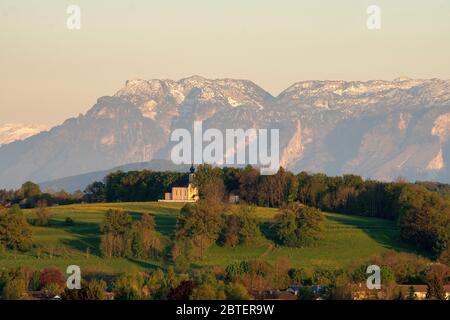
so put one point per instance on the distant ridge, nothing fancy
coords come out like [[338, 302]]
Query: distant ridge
[[80, 182]]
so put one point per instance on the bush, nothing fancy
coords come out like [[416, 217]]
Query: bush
[[42, 215], [130, 286], [69, 222], [300, 277], [15, 289], [182, 292], [305, 293], [207, 291], [52, 289], [236, 291], [35, 281], [53, 277], [408, 268], [92, 290]]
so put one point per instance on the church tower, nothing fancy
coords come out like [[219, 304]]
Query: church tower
[[191, 174]]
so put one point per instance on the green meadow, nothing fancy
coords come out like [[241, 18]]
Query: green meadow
[[348, 240]]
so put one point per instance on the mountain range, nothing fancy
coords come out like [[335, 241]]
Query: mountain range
[[378, 129]]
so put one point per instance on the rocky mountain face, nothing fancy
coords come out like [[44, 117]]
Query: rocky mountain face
[[377, 129], [11, 132]]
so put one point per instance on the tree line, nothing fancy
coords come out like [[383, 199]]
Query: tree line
[[29, 195]]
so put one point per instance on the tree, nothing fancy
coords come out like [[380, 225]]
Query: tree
[[200, 223], [230, 233], [15, 232], [42, 214], [241, 226], [145, 241], [236, 291], [182, 292], [411, 294], [249, 225], [281, 272], [424, 219], [248, 185], [407, 267], [116, 229], [29, 190], [95, 192], [209, 181], [436, 278], [255, 275], [298, 225], [445, 257], [276, 190], [300, 277]]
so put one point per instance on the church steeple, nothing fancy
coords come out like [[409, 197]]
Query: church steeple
[[191, 174]]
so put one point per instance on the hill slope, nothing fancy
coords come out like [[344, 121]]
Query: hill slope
[[348, 240]]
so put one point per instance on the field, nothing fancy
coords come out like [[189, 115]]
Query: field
[[348, 240]]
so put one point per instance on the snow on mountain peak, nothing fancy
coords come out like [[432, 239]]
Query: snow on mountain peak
[[347, 94], [152, 95], [11, 132]]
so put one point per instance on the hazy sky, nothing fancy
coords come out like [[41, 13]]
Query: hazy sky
[[49, 73]]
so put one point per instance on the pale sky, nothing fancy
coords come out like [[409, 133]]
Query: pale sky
[[49, 73]]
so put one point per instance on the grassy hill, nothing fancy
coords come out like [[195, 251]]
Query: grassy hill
[[348, 240]]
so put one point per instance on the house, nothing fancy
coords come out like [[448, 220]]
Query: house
[[280, 295], [183, 193], [316, 290], [420, 291], [232, 198], [404, 291]]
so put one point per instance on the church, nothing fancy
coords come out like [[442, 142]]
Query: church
[[187, 193]]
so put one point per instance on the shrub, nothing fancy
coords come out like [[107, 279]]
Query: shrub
[[69, 222], [52, 276], [42, 214], [182, 292], [236, 291], [92, 290], [207, 291], [130, 286], [408, 268], [35, 281], [305, 293], [52, 289], [15, 289]]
